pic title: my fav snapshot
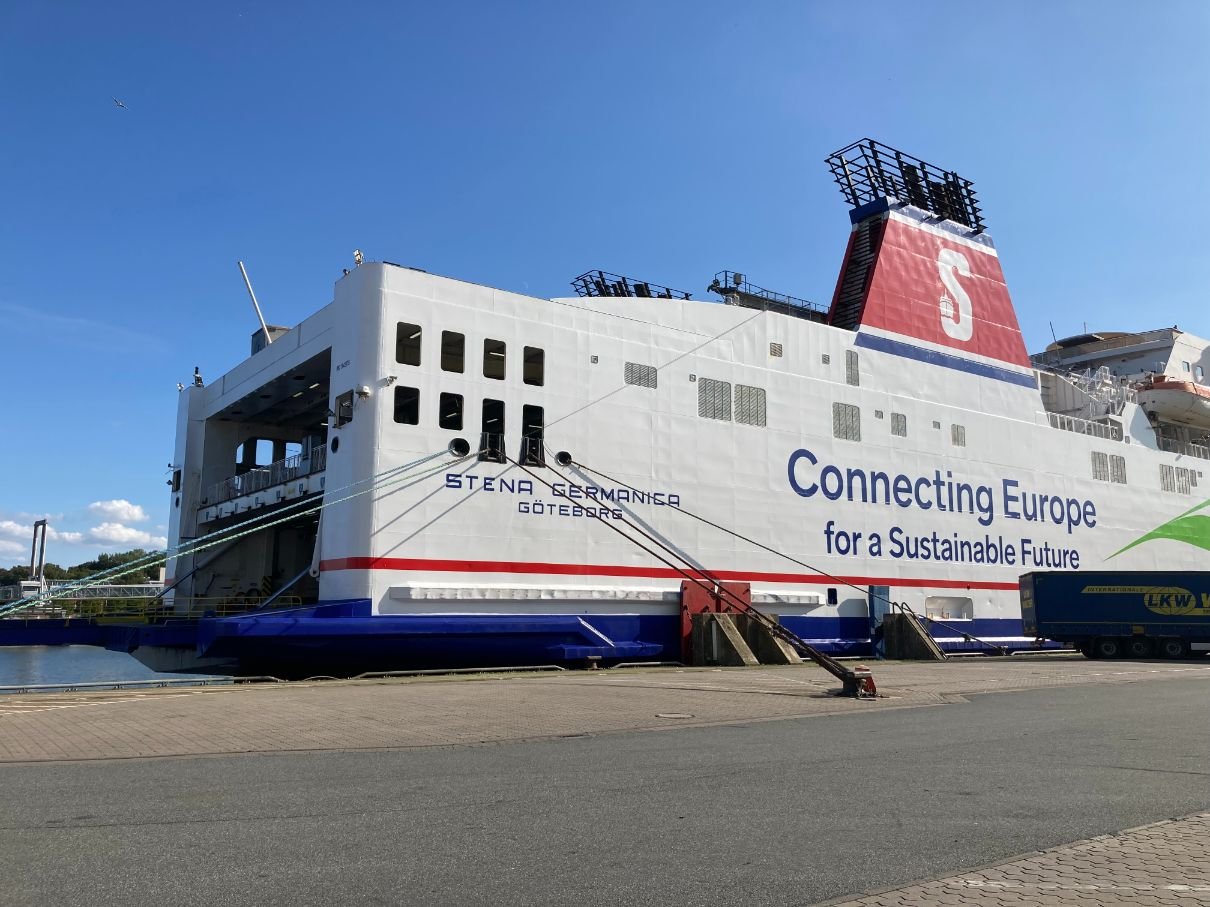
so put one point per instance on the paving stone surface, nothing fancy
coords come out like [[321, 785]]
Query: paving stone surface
[[447, 711], [1167, 863]]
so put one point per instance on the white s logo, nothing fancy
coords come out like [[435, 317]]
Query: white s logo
[[955, 306]]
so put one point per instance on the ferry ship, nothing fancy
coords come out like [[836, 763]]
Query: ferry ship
[[433, 472]]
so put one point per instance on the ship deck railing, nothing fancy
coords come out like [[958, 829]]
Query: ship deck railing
[[262, 477], [153, 609], [1110, 431], [1185, 448]]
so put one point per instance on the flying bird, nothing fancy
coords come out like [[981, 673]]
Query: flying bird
[[120, 104]]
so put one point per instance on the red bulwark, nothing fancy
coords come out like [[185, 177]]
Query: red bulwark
[[927, 286], [699, 599]]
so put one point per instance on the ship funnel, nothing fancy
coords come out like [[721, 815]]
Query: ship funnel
[[921, 277]]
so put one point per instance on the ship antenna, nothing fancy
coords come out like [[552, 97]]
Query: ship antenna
[[256, 305]]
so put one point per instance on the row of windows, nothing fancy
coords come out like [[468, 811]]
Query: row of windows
[[714, 401], [408, 347], [1108, 467], [450, 411], [846, 424], [1178, 479]]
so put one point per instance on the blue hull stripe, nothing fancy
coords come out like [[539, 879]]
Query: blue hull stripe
[[945, 360]]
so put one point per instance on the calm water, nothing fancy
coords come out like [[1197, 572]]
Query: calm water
[[70, 664]]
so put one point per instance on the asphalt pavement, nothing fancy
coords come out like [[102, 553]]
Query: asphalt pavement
[[787, 812]]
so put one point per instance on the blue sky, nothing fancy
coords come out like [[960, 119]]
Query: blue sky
[[518, 145]]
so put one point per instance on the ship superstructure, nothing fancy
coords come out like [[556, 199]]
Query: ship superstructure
[[441, 466]]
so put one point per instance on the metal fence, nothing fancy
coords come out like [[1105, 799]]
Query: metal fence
[[1110, 431], [296, 467], [1201, 451], [149, 609]]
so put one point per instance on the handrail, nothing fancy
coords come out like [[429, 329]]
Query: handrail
[[1110, 431], [151, 609], [262, 477], [1186, 448]]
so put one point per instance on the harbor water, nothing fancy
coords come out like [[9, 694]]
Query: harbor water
[[27, 665]]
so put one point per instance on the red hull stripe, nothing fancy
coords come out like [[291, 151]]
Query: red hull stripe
[[456, 566]]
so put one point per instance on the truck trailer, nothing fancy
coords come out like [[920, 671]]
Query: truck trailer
[[1127, 614]]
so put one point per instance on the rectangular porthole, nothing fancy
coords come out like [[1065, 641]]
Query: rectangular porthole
[[450, 412], [1183, 485], [407, 343], [491, 439], [750, 405], [852, 372], [1100, 466], [639, 375], [453, 352], [344, 409], [958, 435], [493, 359], [531, 436], [714, 399], [407, 405], [533, 366], [899, 425], [846, 421], [1117, 469]]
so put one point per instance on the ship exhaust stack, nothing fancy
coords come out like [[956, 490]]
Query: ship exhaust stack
[[921, 278]]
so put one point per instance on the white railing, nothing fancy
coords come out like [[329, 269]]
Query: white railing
[[1110, 431], [287, 470], [1184, 447]]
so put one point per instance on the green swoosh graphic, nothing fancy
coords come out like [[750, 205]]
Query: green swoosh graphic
[[1191, 528]]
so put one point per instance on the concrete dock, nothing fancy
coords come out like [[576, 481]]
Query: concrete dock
[[640, 786]]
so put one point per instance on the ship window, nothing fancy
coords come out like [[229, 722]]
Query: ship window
[[1100, 466], [531, 436], [491, 441], [344, 409], [1117, 469], [852, 374], [776, 350], [958, 435], [407, 343], [879, 414], [846, 421], [1182, 481], [750, 405], [493, 359], [639, 375], [533, 369], [1167, 478], [1199, 373], [1185, 366], [899, 425], [407, 405], [453, 351], [714, 399], [293, 449], [176, 481], [936, 425], [449, 414]]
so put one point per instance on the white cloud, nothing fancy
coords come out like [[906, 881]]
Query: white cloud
[[119, 510], [117, 534], [11, 529], [14, 548]]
